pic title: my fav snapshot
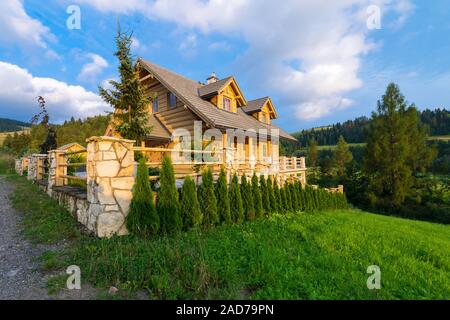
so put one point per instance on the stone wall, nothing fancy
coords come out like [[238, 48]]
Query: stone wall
[[36, 166], [110, 179]]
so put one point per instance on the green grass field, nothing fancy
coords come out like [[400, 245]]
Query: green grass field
[[301, 256]]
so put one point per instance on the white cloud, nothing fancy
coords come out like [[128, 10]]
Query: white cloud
[[17, 28], [91, 70], [188, 47], [19, 88], [308, 52]]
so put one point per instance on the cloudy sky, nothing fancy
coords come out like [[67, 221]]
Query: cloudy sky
[[321, 61]]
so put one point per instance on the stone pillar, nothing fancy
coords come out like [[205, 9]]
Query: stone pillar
[[110, 180], [340, 188], [57, 169]]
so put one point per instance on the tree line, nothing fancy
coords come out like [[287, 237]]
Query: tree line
[[355, 131], [214, 203]]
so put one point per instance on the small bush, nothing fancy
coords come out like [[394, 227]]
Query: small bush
[[190, 208], [142, 219], [207, 200], [223, 199], [247, 196], [257, 197], [237, 209], [168, 203]]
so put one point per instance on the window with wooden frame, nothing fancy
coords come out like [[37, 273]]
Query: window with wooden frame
[[171, 100], [155, 108], [226, 104]]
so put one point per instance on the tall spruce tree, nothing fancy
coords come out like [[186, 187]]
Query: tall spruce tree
[[287, 189], [257, 197], [130, 118], [190, 208], [223, 199], [208, 200], [313, 153], [142, 219], [396, 150], [237, 208], [168, 205], [342, 156], [283, 201], [247, 198]]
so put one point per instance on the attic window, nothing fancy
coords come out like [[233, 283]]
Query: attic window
[[172, 99], [226, 104]]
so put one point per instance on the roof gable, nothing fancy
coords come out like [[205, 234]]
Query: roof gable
[[257, 105], [187, 90], [210, 90]]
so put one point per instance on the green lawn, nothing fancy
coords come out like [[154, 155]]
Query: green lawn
[[301, 256]]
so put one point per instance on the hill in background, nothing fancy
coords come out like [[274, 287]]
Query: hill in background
[[353, 131], [9, 125]]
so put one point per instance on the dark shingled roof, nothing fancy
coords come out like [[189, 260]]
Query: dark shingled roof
[[187, 90], [210, 90], [255, 105]]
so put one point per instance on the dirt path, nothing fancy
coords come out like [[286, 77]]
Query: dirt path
[[20, 278], [19, 275]]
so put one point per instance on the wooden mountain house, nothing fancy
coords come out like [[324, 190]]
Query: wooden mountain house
[[183, 104]]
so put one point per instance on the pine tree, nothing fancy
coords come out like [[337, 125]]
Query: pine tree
[[257, 197], [142, 218], [237, 208], [223, 199], [264, 195], [247, 198], [208, 200], [396, 150], [168, 205], [128, 98], [271, 195], [341, 157], [313, 154], [190, 208], [276, 192]]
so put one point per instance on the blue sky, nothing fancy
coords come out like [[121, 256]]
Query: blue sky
[[318, 60]]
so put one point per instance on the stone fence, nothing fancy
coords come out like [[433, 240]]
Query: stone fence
[[110, 175]]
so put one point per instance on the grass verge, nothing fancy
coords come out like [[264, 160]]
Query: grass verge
[[302, 256]]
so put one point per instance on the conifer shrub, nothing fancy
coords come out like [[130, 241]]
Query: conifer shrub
[[271, 195], [264, 195], [247, 199], [142, 219], [190, 207], [257, 197], [207, 199], [293, 193], [237, 208], [223, 199], [168, 205], [283, 201], [276, 192], [287, 190]]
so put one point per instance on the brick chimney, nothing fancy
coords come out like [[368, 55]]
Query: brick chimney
[[212, 78]]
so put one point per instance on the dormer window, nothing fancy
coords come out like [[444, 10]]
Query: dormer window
[[226, 104]]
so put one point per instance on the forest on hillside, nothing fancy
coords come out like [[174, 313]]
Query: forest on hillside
[[9, 125], [73, 130], [354, 131]]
